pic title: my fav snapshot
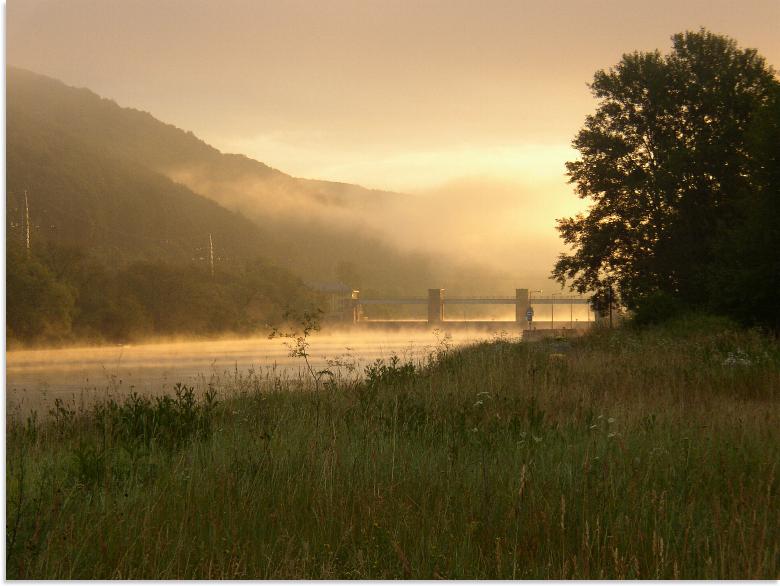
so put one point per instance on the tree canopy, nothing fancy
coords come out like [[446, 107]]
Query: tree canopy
[[60, 294], [665, 161]]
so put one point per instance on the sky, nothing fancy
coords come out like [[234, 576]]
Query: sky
[[390, 94], [469, 105]]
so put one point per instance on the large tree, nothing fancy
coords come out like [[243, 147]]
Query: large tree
[[748, 280], [662, 161]]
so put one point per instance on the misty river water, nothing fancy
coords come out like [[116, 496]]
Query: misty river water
[[35, 378]]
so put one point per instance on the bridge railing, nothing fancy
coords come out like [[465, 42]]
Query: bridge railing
[[401, 301], [474, 301]]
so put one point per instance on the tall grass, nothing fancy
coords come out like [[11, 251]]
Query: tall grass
[[625, 454]]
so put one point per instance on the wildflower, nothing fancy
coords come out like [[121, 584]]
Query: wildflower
[[737, 358]]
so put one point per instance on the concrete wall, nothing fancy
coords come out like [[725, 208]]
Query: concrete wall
[[522, 304], [356, 310], [435, 306]]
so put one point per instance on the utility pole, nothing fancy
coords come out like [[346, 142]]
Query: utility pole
[[26, 224], [552, 312], [530, 307], [211, 256]]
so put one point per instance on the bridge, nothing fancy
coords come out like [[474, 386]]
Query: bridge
[[436, 302]]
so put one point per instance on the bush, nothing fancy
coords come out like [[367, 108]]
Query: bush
[[656, 308]]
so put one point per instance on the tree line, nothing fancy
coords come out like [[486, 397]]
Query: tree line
[[58, 293], [680, 165]]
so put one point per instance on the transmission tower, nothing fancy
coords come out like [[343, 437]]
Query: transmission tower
[[26, 224], [211, 256]]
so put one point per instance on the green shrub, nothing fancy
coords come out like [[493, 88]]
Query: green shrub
[[656, 308]]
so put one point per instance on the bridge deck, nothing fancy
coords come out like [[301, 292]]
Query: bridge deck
[[475, 301], [544, 328]]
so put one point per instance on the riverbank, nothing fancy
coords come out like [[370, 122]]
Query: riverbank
[[620, 454]]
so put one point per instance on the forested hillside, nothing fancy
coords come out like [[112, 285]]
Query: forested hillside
[[80, 196], [119, 252], [69, 148], [137, 136]]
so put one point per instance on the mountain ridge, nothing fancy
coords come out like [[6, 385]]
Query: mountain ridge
[[321, 230], [64, 103]]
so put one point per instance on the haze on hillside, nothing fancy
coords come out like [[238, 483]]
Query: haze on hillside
[[460, 113]]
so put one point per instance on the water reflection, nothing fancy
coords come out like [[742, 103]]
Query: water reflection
[[35, 378]]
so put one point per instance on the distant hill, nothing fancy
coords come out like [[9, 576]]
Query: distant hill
[[134, 135], [84, 195], [117, 209], [121, 181]]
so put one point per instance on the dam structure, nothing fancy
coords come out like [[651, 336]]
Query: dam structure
[[436, 304]]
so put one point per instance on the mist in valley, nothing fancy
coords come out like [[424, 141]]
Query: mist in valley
[[143, 230], [475, 235]]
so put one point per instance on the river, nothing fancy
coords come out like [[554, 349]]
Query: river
[[35, 378]]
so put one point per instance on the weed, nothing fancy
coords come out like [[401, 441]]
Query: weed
[[306, 324]]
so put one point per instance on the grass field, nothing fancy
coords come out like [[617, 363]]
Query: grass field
[[624, 454]]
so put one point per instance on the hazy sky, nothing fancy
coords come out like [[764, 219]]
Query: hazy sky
[[390, 94]]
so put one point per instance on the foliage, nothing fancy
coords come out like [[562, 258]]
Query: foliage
[[748, 278], [390, 373], [37, 304], [657, 307], [164, 421], [61, 294], [306, 324], [109, 445], [664, 160]]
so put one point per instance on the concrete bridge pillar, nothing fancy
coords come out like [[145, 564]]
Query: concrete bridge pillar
[[522, 303], [435, 306], [355, 306]]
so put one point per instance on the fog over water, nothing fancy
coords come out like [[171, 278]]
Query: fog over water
[[35, 378]]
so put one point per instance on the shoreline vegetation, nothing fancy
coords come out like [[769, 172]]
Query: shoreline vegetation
[[63, 296], [629, 453]]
